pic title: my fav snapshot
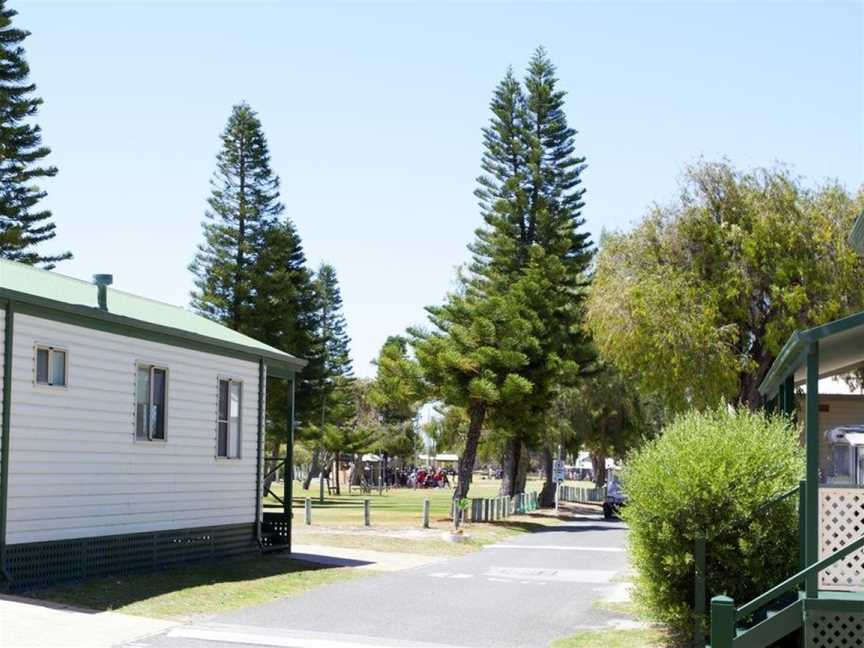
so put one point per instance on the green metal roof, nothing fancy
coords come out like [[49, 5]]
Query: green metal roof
[[52, 290], [841, 348]]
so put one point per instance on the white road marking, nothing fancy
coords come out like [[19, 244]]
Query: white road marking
[[462, 576], [524, 574], [555, 548], [281, 638]]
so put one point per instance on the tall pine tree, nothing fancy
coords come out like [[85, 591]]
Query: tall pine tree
[[335, 372], [23, 226], [285, 314], [530, 262], [244, 206], [531, 197]]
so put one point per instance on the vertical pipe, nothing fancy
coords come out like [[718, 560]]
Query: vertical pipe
[[6, 430], [426, 513], [307, 509], [812, 445], [366, 520]]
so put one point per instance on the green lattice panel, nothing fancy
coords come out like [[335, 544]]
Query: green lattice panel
[[38, 564], [826, 629]]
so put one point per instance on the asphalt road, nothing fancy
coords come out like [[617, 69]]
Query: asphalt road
[[526, 591]]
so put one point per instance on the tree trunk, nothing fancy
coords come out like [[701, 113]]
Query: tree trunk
[[338, 468], [477, 414], [547, 495], [510, 467], [314, 469], [522, 470], [748, 392], [598, 461]]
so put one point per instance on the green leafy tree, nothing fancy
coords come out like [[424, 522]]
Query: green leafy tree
[[397, 393], [23, 226], [695, 302], [604, 415], [243, 206]]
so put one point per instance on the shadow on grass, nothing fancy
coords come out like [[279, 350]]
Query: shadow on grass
[[114, 592], [539, 527]]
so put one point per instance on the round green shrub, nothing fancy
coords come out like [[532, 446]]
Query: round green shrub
[[706, 475]]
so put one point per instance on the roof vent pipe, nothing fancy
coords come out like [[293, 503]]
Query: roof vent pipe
[[102, 282]]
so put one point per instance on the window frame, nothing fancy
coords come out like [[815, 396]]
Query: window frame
[[151, 367], [227, 456], [50, 348]]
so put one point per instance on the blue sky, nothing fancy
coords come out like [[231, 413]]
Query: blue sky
[[373, 113]]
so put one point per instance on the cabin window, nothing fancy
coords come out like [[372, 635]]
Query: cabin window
[[150, 399], [50, 366], [228, 419]]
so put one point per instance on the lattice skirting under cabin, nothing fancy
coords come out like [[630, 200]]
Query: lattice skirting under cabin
[[841, 521], [37, 564], [827, 629]]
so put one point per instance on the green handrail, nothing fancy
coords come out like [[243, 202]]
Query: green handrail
[[792, 582], [774, 500]]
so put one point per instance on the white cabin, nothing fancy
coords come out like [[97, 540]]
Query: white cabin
[[132, 432]]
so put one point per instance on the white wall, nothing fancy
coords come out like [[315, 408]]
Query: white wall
[[76, 469]]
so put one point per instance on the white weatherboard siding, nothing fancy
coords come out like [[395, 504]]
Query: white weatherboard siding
[[76, 469]]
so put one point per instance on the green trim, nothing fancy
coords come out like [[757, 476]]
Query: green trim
[[787, 361], [856, 235], [97, 319], [8, 334], [259, 456], [289, 464], [811, 432]]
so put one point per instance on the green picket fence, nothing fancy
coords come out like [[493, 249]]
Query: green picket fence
[[580, 494], [490, 509]]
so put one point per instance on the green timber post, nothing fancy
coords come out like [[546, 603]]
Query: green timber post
[[722, 622], [9, 332], [699, 592], [259, 457], [811, 434], [788, 390], [802, 525], [289, 463]]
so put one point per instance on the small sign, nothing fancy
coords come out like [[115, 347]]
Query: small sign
[[558, 471]]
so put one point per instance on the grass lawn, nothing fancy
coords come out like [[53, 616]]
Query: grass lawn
[[396, 507], [396, 519], [198, 590], [630, 638]]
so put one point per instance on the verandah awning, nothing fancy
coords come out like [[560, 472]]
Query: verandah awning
[[841, 348]]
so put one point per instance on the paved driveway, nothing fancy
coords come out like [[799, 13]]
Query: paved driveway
[[523, 592]]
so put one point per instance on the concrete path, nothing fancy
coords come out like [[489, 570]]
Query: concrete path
[[26, 623], [360, 558], [526, 591]]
